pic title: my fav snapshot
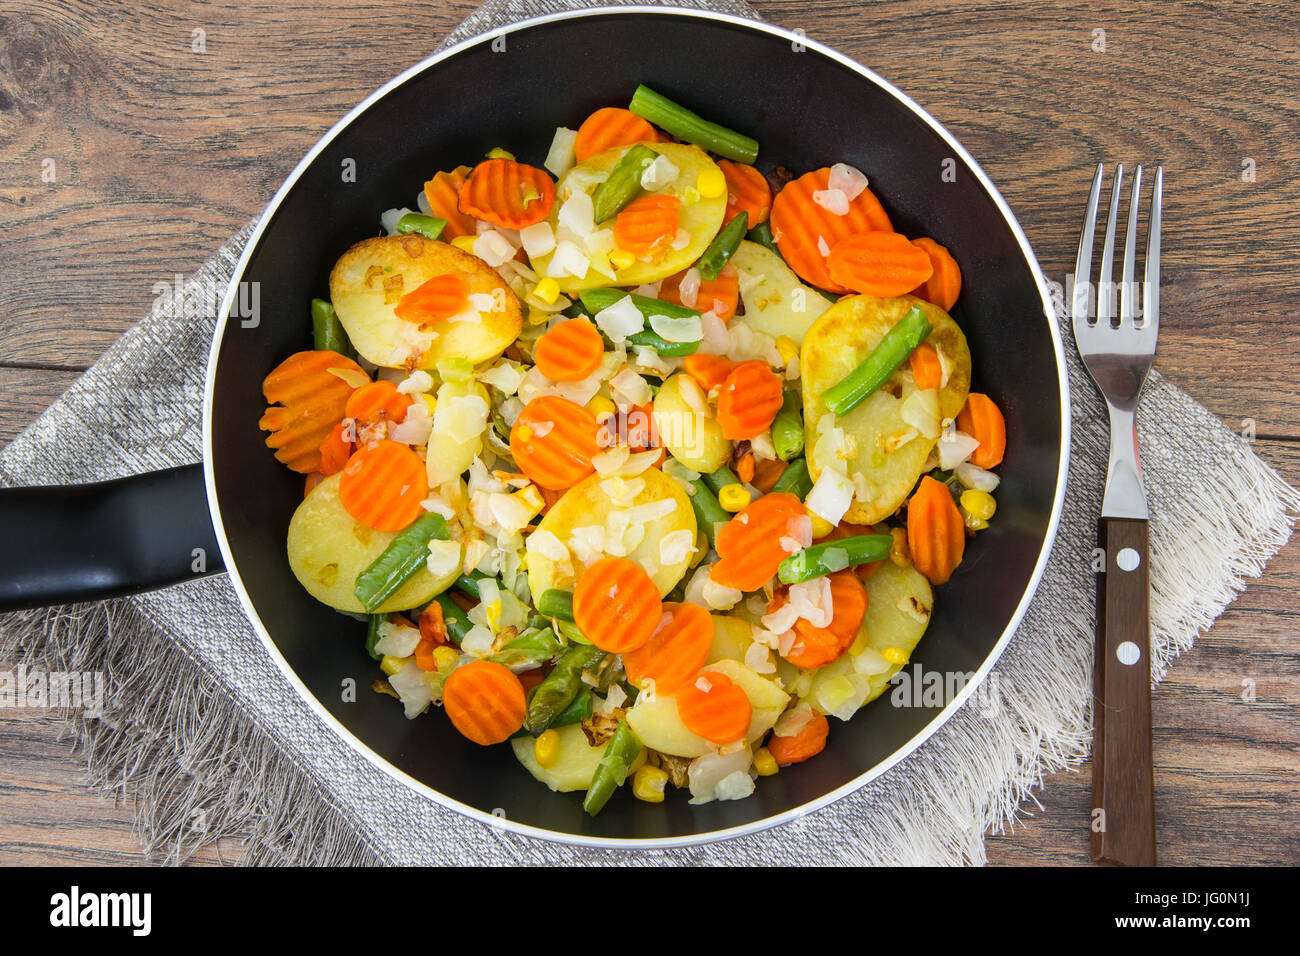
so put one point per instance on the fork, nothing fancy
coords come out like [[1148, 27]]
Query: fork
[[1117, 352]]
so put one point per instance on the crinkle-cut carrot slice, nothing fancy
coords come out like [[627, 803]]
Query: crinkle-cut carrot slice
[[711, 705], [926, 367], [882, 264], [306, 402], [442, 192], [944, 286], [484, 701], [805, 230], [807, 743], [747, 191], [569, 351], [709, 371], [719, 296], [434, 300], [753, 544], [749, 400], [936, 534], [335, 450], [383, 484], [553, 441], [678, 648], [818, 646], [982, 420], [647, 224], [616, 605], [376, 401], [508, 194], [609, 127]]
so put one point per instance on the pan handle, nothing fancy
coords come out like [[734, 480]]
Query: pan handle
[[67, 543]]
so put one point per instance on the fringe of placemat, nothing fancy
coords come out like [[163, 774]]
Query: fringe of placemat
[[194, 767]]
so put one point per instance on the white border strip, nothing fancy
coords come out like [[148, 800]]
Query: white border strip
[[699, 838]]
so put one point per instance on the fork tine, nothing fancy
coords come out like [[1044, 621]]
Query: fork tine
[[1126, 296], [1151, 280], [1083, 262], [1105, 277]]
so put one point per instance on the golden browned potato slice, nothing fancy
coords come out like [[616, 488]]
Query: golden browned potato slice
[[700, 217], [887, 452], [776, 302], [371, 278]]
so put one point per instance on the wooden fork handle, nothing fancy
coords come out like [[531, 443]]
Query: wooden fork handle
[[1123, 790]]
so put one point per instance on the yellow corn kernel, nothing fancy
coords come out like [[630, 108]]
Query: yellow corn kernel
[[733, 497], [464, 243], [444, 656], [430, 402], [648, 784], [899, 552], [788, 348], [548, 290], [600, 405], [390, 665], [895, 655], [980, 504], [764, 762], [971, 521], [496, 152], [621, 258], [523, 432], [712, 184], [546, 748], [820, 526]]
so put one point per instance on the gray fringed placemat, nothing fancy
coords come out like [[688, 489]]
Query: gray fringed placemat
[[210, 740]]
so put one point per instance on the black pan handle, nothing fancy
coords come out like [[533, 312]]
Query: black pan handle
[[65, 543]]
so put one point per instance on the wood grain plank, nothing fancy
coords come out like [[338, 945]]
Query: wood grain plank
[[24, 394]]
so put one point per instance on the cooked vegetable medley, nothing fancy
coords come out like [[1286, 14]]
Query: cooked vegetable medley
[[643, 462]]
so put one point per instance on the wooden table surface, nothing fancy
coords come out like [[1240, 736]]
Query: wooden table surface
[[160, 152]]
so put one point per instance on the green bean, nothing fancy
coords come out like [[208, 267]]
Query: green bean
[[430, 227], [613, 768], [708, 513], [661, 345], [457, 621], [899, 342], [560, 686], [372, 635], [719, 479], [684, 124], [556, 603], [405, 555], [580, 708], [762, 234], [569, 631], [723, 247], [834, 556], [787, 427], [623, 183], [327, 330], [597, 300], [534, 648], [795, 479], [467, 584]]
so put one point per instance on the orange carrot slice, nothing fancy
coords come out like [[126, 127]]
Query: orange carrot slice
[[553, 441], [943, 287], [616, 605], [484, 701], [439, 298], [610, 127], [443, 195], [306, 402], [747, 191], [749, 545], [712, 706], [647, 224], [882, 264], [710, 371], [508, 194], [569, 351], [719, 295], [335, 449], [432, 624], [805, 231], [383, 484], [678, 648], [926, 368], [982, 420], [818, 646], [749, 400], [808, 742], [378, 401], [936, 534]]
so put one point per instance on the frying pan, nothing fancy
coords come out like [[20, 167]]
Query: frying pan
[[808, 106]]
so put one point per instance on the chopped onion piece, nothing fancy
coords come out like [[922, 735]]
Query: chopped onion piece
[[546, 544], [494, 249], [538, 239], [973, 476], [444, 557], [620, 320], [658, 174], [848, 180], [831, 496], [568, 260], [686, 329], [792, 721], [411, 684], [389, 219], [689, 288], [832, 200], [954, 448], [676, 546], [711, 776], [560, 157], [921, 410]]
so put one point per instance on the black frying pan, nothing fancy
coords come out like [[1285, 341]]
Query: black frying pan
[[809, 107]]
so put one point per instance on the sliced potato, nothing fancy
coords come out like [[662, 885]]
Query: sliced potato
[[836, 344], [371, 278], [459, 422], [588, 505], [328, 548], [692, 437], [660, 727], [776, 301], [899, 603], [575, 760], [700, 217], [731, 638]]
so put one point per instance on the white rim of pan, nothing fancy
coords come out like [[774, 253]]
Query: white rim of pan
[[713, 835]]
